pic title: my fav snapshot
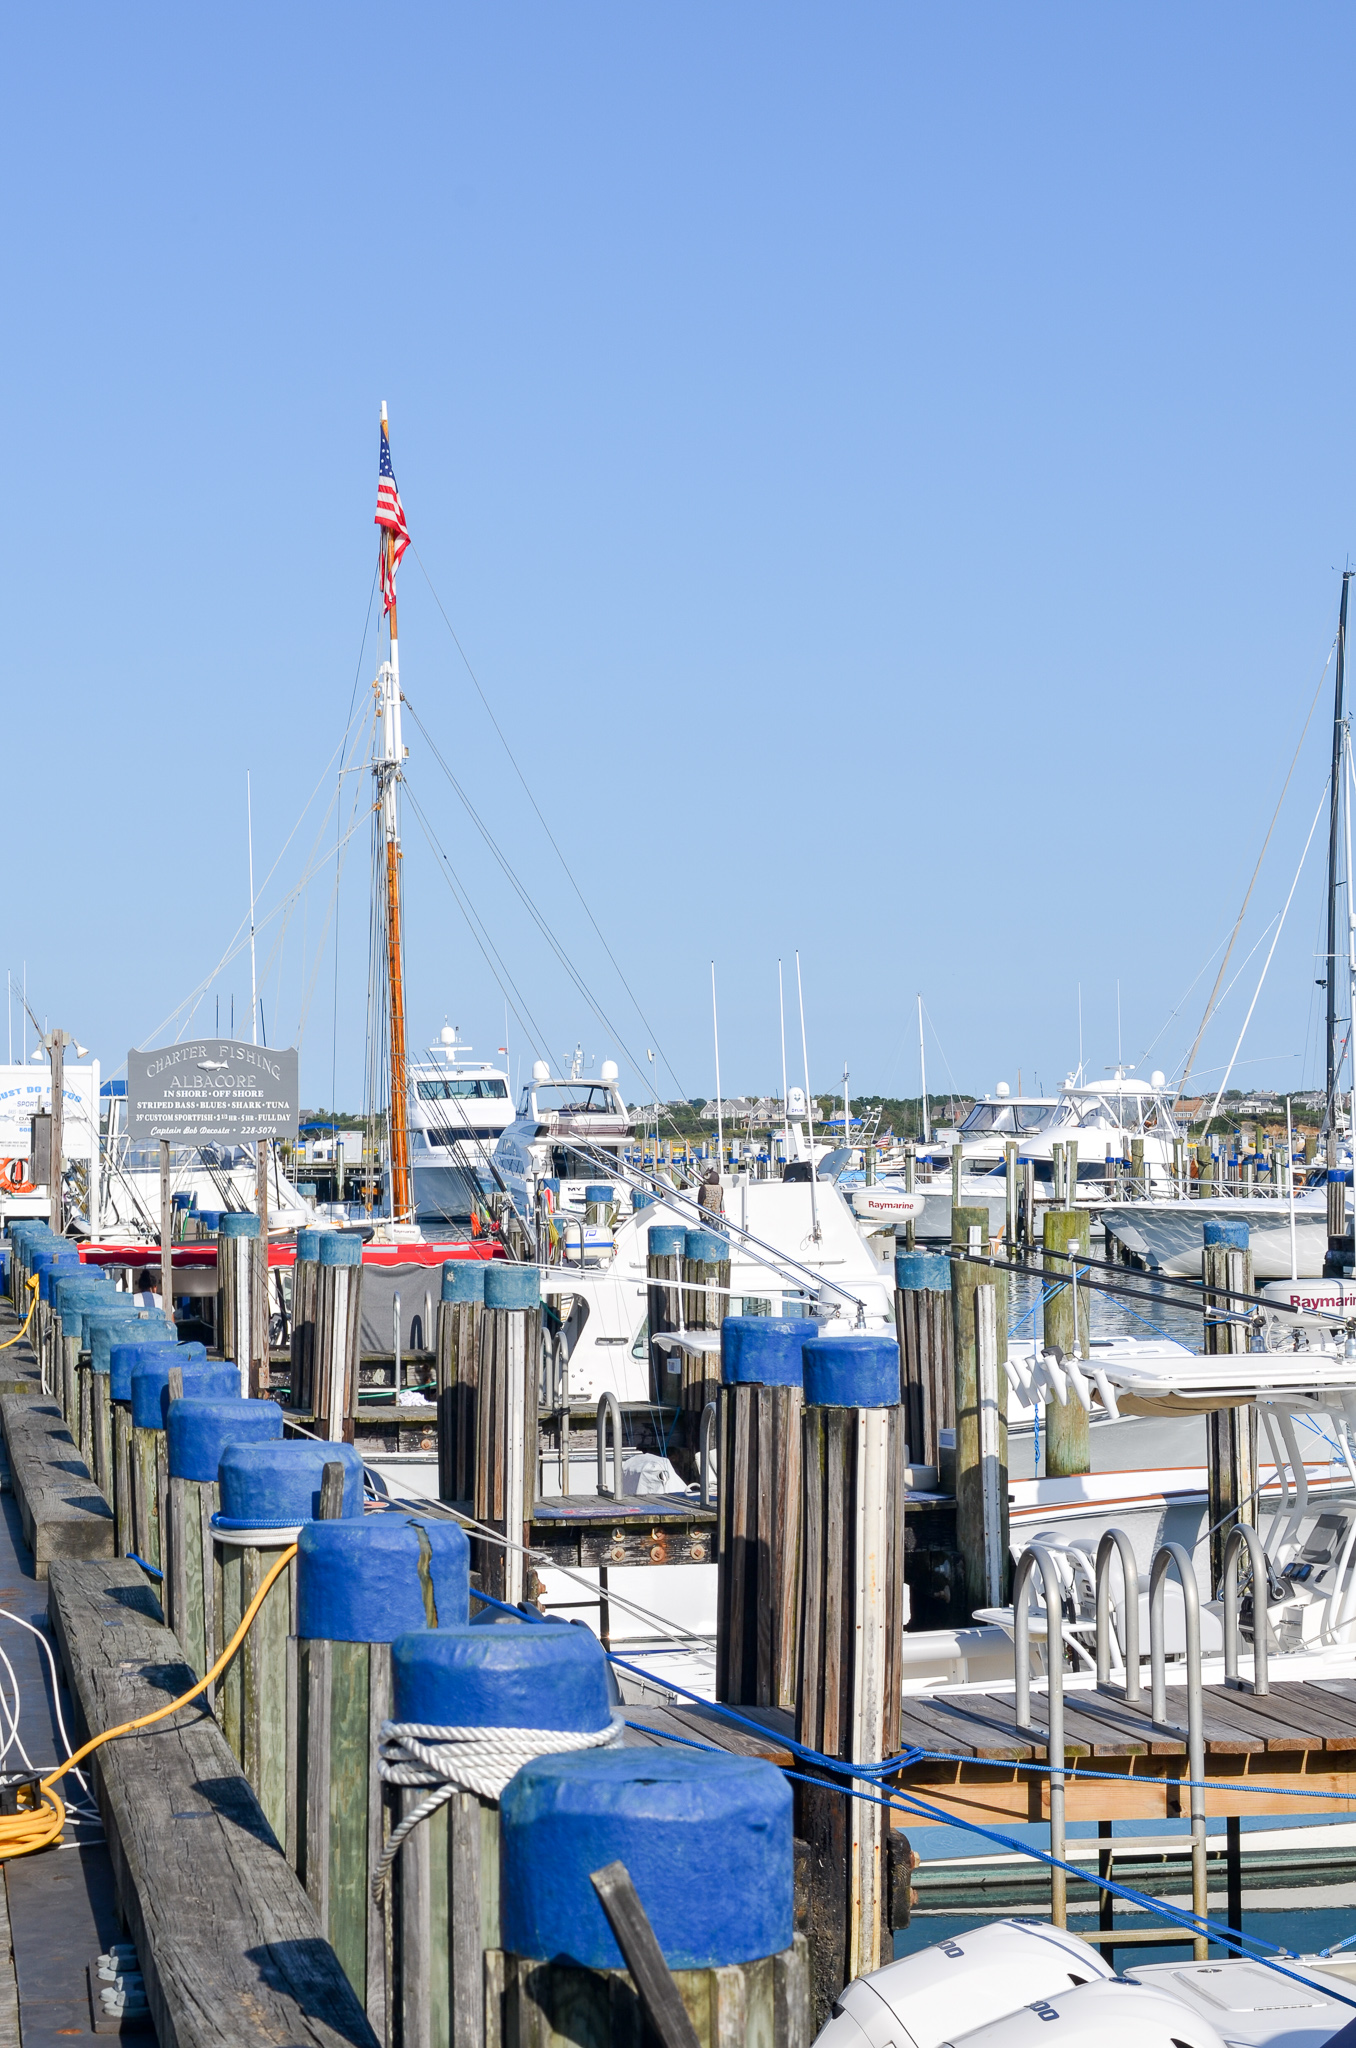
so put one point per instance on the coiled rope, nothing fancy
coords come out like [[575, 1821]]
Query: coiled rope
[[479, 1760]]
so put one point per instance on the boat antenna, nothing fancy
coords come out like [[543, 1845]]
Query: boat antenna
[[923, 1074], [809, 1104], [1334, 812], [387, 772], [781, 1012], [715, 1033], [254, 985]]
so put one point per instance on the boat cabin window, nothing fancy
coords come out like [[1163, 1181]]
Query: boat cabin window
[[488, 1088], [574, 1098], [1007, 1116]]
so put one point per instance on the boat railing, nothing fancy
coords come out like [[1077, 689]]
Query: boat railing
[[609, 1407], [1116, 1543], [1037, 1558], [1244, 1537]]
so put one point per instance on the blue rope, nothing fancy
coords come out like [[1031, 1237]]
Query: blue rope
[[132, 1558]]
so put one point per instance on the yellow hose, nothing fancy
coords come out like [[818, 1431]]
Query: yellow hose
[[42, 1825], [32, 1286]]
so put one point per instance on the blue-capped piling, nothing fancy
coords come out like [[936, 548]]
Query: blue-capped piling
[[664, 1263], [305, 1286], [338, 1327], [460, 1313], [149, 1386], [548, 1678], [706, 1840], [927, 1370], [758, 1591], [242, 1297], [268, 1491], [197, 1430], [360, 1584], [848, 1692], [506, 1449]]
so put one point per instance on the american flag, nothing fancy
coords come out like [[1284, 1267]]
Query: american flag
[[391, 516]]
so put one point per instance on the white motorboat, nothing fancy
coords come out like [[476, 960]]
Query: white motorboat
[[459, 1108], [1168, 1234]]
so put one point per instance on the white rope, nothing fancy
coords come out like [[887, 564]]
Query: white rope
[[479, 1760]]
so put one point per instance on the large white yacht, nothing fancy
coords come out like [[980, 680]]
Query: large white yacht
[[459, 1108], [563, 1125]]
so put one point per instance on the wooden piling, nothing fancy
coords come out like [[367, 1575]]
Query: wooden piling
[[1230, 1433], [970, 1528], [305, 1287], [506, 1425], [706, 1302], [758, 1550], [927, 1369], [257, 1689], [1065, 1328], [242, 1301], [664, 1262], [460, 1312], [852, 1620], [338, 1329]]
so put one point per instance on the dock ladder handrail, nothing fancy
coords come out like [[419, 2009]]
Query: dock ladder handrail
[[1243, 1536], [609, 1405], [1037, 1557], [1117, 1540], [1174, 1557]]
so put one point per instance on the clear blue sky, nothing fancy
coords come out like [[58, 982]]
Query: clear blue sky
[[889, 468]]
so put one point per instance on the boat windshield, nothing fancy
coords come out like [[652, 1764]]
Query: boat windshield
[[485, 1088], [1008, 1116], [574, 1098]]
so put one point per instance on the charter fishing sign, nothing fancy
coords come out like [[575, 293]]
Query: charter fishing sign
[[214, 1091]]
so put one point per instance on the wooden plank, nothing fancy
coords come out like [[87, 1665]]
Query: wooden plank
[[62, 1511], [1281, 1726], [231, 1949]]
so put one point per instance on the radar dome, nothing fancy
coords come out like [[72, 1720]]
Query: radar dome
[[448, 1034], [1157, 1078], [540, 1071], [1002, 1089], [609, 1070]]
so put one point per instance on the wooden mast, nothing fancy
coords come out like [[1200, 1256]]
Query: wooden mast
[[388, 772]]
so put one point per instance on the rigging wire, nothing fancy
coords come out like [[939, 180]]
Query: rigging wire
[[521, 891], [649, 1028]]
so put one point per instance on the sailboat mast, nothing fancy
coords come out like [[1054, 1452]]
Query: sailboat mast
[[388, 771], [1334, 816]]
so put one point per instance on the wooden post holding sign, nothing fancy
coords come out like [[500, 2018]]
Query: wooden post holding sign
[[851, 1630], [197, 1432], [664, 1262], [969, 1229], [1066, 1329], [758, 1559], [305, 1285], [1230, 1433], [722, 1965], [338, 1333], [506, 1425], [56, 1043], [460, 1312], [923, 1325], [268, 1492], [360, 1585]]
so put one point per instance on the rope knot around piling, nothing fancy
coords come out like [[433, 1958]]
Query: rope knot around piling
[[478, 1760]]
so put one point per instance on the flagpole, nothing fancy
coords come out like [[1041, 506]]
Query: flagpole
[[389, 768]]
